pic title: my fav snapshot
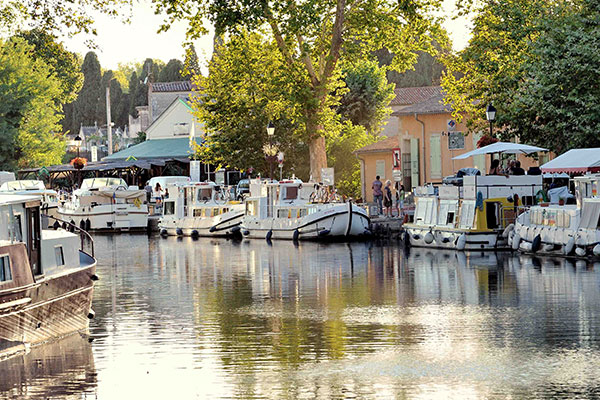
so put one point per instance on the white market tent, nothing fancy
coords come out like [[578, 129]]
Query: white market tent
[[576, 160], [501, 147]]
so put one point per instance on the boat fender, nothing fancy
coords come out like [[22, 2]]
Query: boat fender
[[461, 242], [596, 250], [179, 232], [548, 247], [445, 240], [235, 229], [536, 244], [580, 251], [508, 230], [324, 232], [516, 241], [269, 235], [56, 225], [511, 236], [195, 233], [94, 277], [428, 238], [91, 314], [212, 229], [82, 224], [525, 246], [246, 233], [479, 201], [88, 224], [64, 225], [163, 232], [569, 246], [296, 235], [416, 237], [72, 226]]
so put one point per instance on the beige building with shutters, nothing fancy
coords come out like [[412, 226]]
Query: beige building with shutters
[[426, 137]]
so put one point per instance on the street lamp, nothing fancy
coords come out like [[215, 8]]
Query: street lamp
[[490, 114], [77, 141], [270, 133], [280, 161]]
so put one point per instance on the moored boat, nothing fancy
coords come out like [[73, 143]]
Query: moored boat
[[49, 197], [46, 279], [200, 209], [475, 216], [282, 210], [563, 229], [106, 204]]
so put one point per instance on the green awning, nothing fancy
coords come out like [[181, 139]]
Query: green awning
[[156, 148]]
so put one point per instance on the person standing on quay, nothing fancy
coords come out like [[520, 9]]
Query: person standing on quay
[[378, 194], [387, 198]]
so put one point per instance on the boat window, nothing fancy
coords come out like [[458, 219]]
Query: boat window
[[291, 193], [5, 272], [18, 227], [169, 208], [467, 214], [450, 218], [491, 214], [301, 212], [282, 213], [60, 257], [251, 208], [215, 212], [197, 212], [204, 194], [225, 210]]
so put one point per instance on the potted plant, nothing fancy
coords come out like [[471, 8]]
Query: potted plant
[[78, 162]]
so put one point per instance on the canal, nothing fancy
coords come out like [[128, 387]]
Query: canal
[[214, 318]]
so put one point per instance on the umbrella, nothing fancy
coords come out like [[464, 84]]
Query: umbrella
[[501, 147]]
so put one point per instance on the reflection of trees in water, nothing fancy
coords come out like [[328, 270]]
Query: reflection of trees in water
[[60, 369], [268, 311]]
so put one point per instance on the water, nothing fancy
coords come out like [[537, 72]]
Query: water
[[183, 318]]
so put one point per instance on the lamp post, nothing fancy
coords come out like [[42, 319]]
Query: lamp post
[[270, 133], [77, 141], [280, 161], [490, 114]]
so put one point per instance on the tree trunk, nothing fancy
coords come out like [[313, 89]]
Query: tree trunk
[[318, 157]]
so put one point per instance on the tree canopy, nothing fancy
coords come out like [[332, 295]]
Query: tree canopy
[[312, 37], [30, 104]]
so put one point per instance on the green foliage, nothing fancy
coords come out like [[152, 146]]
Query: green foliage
[[366, 101], [246, 89], [141, 137], [347, 166], [29, 109], [427, 71], [85, 108], [171, 72], [191, 64], [536, 61], [312, 37]]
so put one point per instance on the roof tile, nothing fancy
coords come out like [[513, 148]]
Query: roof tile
[[412, 95], [181, 86], [381, 146]]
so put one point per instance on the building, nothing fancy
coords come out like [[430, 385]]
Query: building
[[162, 94], [422, 138]]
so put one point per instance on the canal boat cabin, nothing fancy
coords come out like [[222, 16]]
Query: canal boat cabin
[[200, 209], [283, 210], [106, 204], [473, 216], [46, 279]]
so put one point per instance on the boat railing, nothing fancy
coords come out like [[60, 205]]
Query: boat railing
[[74, 228], [509, 214]]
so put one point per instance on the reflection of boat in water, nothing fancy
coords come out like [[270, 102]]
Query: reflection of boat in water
[[58, 369], [563, 230], [46, 280], [472, 217], [282, 210], [199, 209]]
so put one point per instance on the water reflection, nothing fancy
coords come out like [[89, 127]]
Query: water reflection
[[225, 319]]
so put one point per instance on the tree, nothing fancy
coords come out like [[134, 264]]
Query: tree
[[85, 108], [190, 63], [312, 37], [29, 109], [134, 82], [366, 101], [171, 72], [245, 89]]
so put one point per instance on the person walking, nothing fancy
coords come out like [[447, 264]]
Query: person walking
[[378, 194], [387, 198]]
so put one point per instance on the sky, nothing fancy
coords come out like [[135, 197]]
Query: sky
[[124, 43]]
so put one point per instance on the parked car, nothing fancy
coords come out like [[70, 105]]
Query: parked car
[[457, 179]]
